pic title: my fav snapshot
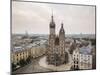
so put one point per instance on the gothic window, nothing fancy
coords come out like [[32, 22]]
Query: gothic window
[[77, 62], [74, 62]]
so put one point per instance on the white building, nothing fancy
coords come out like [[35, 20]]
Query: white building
[[82, 58]]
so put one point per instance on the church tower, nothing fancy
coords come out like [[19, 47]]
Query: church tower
[[62, 43], [62, 38], [51, 41], [52, 34]]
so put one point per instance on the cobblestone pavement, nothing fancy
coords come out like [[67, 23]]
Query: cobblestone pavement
[[32, 68]]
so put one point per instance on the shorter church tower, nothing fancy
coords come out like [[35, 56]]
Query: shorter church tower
[[62, 43]]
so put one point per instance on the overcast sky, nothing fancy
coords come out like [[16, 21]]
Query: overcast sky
[[35, 18]]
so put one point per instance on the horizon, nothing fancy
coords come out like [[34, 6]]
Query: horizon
[[48, 34]]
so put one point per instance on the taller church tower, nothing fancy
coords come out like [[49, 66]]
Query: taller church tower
[[52, 35], [51, 41]]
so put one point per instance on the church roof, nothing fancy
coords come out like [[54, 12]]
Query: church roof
[[57, 40]]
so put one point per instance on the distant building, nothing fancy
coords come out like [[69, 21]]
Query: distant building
[[56, 51]]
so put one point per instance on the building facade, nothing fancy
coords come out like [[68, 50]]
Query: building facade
[[56, 50], [32, 52], [19, 55], [76, 57], [82, 58], [85, 58]]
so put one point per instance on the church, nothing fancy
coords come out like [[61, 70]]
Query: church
[[56, 45]]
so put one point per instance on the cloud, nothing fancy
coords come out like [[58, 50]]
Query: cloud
[[35, 17]]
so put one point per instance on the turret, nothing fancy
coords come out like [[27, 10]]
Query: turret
[[62, 31], [52, 26]]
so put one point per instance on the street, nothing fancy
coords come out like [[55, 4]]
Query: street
[[32, 68]]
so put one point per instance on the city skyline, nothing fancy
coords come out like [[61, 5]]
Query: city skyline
[[35, 18]]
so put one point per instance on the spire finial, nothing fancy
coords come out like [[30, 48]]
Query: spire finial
[[52, 14], [62, 25]]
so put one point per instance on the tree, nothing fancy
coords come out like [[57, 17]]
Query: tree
[[22, 62], [66, 57], [13, 66], [28, 60]]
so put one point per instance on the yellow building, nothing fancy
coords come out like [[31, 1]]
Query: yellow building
[[24, 54], [18, 55]]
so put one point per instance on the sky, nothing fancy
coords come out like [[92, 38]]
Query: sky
[[35, 18]]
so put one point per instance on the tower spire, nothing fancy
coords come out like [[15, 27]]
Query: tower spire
[[62, 25], [52, 16], [62, 29], [52, 25]]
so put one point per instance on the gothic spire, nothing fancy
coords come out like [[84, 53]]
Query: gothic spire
[[62, 29], [52, 17], [62, 25], [52, 23]]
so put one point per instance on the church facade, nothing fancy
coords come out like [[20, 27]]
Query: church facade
[[56, 45]]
